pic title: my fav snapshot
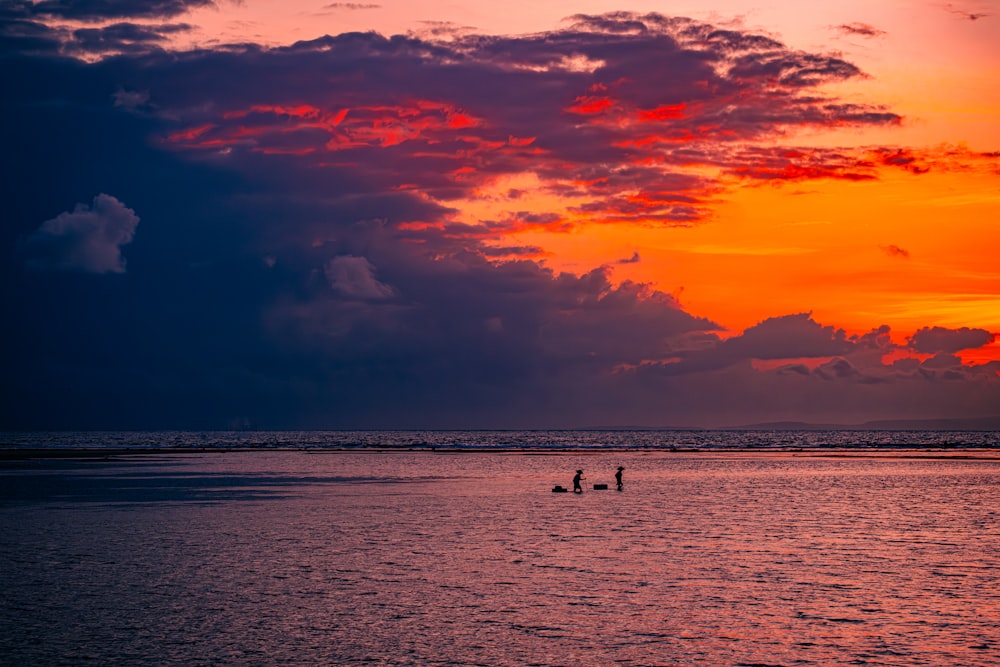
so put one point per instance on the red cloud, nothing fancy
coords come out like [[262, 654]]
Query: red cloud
[[589, 105], [377, 125], [663, 112], [661, 97]]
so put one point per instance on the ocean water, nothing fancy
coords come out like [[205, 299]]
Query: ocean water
[[496, 440], [467, 558]]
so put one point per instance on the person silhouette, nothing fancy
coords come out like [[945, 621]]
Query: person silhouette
[[576, 482], [618, 477]]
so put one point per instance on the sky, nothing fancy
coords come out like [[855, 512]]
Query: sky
[[462, 214]]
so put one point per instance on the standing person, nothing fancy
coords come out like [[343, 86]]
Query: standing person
[[618, 477], [576, 482]]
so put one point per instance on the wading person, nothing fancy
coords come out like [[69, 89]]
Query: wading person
[[576, 482], [618, 477]]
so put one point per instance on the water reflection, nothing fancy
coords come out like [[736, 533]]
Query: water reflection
[[420, 558]]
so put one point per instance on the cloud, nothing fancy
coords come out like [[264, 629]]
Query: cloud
[[88, 239], [102, 10], [509, 251], [38, 27], [933, 340], [967, 12], [342, 255], [837, 369], [122, 37], [351, 5], [131, 100], [354, 277], [787, 337], [478, 340], [623, 115], [895, 251], [860, 30]]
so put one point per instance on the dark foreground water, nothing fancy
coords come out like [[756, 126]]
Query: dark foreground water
[[431, 558]]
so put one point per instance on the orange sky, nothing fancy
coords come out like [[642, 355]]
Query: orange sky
[[904, 251]]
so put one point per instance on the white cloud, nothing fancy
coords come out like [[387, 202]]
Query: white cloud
[[88, 239]]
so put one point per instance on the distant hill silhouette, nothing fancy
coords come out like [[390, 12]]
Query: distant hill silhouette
[[967, 424]]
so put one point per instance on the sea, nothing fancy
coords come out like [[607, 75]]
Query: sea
[[625, 439], [451, 548]]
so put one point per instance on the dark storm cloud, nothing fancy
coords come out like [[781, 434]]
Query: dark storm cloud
[[787, 337], [482, 342], [931, 340], [24, 28], [102, 10], [122, 37], [18, 35], [302, 260], [850, 360]]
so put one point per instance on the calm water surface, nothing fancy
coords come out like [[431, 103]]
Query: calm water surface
[[421, 558], [533, 440]]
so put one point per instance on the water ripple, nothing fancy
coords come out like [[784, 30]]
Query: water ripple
[[420, 558]]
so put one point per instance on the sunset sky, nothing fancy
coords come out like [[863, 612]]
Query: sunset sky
[[462, 214]]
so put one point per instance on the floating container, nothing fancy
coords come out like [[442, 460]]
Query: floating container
[[559, 489], [600, 487]]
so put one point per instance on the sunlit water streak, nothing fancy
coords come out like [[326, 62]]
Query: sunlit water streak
[[422, 558]]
